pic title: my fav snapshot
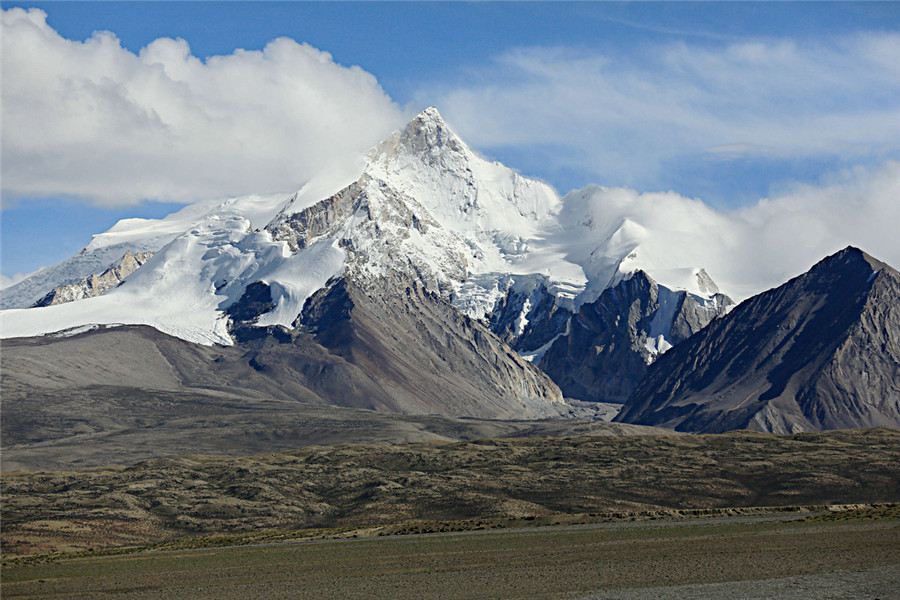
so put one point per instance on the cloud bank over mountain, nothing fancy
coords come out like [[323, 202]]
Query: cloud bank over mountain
[[93, 120], [760, 246]]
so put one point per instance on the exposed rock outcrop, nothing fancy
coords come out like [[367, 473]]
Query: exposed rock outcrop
[[96, 285], [528, 317]]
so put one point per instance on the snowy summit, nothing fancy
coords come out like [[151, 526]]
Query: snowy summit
[[421, 202]]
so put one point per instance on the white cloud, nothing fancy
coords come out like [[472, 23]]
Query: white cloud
[[92, 119], [783, 236], [627, 115], [760, 246]]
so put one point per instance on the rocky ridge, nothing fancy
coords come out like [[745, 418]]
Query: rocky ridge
[[96, 285], [820, 352], [610, 343]]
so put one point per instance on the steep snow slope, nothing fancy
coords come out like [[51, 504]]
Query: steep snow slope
[[133, 235]]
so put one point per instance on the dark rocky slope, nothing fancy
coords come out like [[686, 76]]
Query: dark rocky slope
[[820, 352], [611, 342], [527, 317]]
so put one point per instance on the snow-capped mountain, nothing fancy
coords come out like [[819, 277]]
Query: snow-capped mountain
[[421, 211], [425, 279], [462, 223], [421, 201]]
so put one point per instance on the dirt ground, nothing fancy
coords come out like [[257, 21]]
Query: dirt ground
[[870, 584], [741, 557]]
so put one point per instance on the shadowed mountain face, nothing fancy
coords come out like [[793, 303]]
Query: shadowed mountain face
[[389, 344], [820, 352], [610, 342], [529, 320]]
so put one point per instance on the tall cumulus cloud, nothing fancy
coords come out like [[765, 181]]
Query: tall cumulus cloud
[[95, 121]]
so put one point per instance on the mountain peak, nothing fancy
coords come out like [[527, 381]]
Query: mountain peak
[[428, 133], [430, 114], [851, 258], [426, 138], [818, 352], [427, 161]]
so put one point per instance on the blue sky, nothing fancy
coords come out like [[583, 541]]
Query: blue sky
[[728, 102]]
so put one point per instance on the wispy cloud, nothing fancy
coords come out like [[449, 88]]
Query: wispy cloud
[[94, 120], [635, 115], [6, 281]]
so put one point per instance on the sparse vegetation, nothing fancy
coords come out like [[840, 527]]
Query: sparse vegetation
[[440, 486]]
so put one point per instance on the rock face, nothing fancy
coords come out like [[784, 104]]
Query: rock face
[[610, 342], [96, 285], [528, 316], [426, 356], [382, 231], [820, 352]]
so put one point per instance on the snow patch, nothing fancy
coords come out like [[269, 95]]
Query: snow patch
[[535, 356], [522, 320]]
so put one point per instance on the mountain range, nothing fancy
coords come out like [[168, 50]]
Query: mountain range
[[426, 279]]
